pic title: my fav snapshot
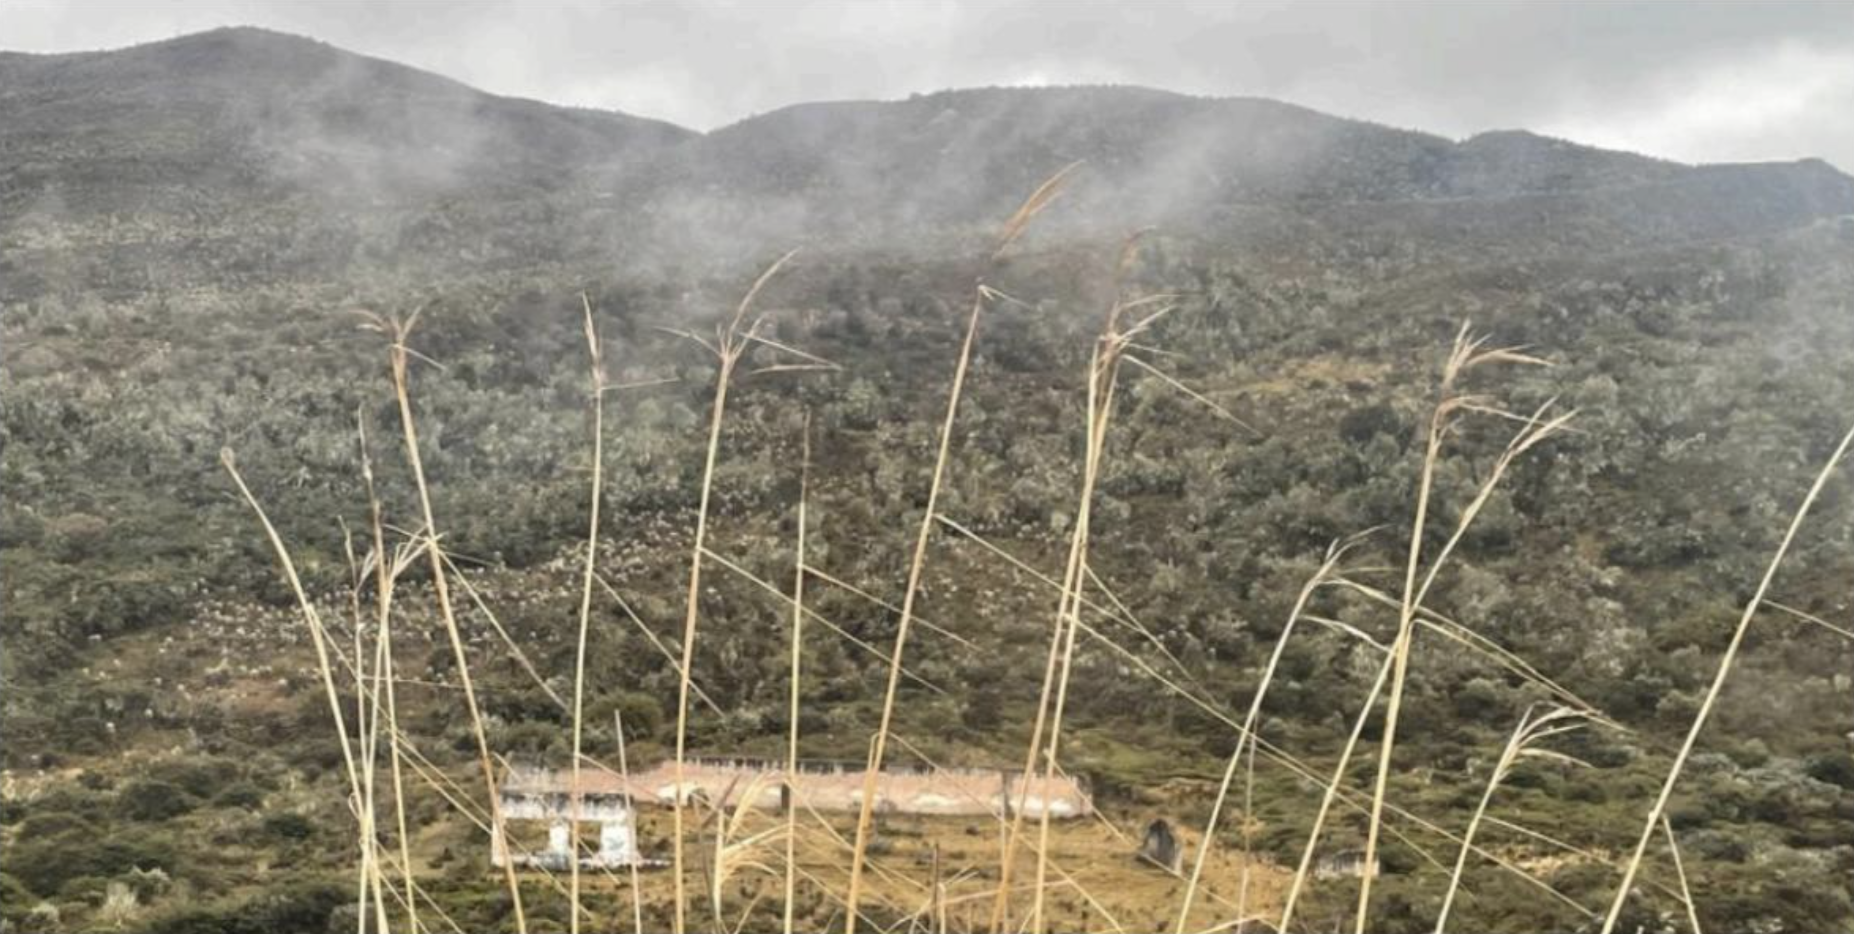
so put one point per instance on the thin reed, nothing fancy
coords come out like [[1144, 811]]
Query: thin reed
[[1014, 228], [597, 389]]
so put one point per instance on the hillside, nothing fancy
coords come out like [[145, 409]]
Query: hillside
[[187, 228], [243, 114]]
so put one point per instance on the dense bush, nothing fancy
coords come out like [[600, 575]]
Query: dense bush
[[153, 800], [303, 906], [1835, 769], [289, 826], [46, 863], [245, 795]]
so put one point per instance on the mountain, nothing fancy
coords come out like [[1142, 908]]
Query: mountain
[[239, 113], [1162, 150], [948, 160], [275, 147], [186, 231]]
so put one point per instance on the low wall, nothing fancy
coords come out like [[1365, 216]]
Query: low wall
[[830, 787]]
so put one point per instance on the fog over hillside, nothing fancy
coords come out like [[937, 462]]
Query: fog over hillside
[[279, 138]]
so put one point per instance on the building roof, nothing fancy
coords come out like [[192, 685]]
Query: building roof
[[593, 780]]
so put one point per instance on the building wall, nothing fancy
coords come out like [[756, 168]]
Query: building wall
[[616, 840], [819, 786], [760, 784]]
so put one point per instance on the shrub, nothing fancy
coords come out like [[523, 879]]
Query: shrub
[[1835, 769], [289, 825], [15, 900], [147, 884], [86, 889], [45, 864], [303, 907], [241, 795], [1716, 846], [153, 800], [51, 824], [201, 778]]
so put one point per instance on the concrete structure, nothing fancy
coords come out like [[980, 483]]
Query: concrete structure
[[1346, 864], [833, 786], [539, 795]]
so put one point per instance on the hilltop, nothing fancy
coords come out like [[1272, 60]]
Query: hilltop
[[247, 113], [290, 156]]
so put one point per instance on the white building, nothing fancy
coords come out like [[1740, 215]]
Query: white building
[[545, 796]]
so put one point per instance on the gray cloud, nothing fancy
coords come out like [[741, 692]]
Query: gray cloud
[[1694, 82]]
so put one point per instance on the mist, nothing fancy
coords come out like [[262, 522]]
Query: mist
[[1718, 83]]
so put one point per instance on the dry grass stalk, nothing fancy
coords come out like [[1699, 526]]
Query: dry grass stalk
[[736, 849], [1044, 195], [319, 637], [656, 642], [1112, 610], [879, 742], [1110, 350], [1523, 744], [371, 886], [624, 773], [937, 913], [585, 604], [816, 617], [1452, 405], [1019, 221], [1336, 781], [495, 623], [798, 630], [1807, 617], [1322, 576], [1334, 793], [384, 579], [1000, 917], [1680, 870], [731, 344], [400, 357], [1718, 681], [1103, 375]]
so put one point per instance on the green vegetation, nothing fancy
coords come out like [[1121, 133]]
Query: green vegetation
[[170, 758]]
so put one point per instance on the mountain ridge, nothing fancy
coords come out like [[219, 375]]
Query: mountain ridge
[[269, 71], [303, 158]]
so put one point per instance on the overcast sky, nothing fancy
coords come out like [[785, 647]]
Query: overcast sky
[[1694, 82]]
